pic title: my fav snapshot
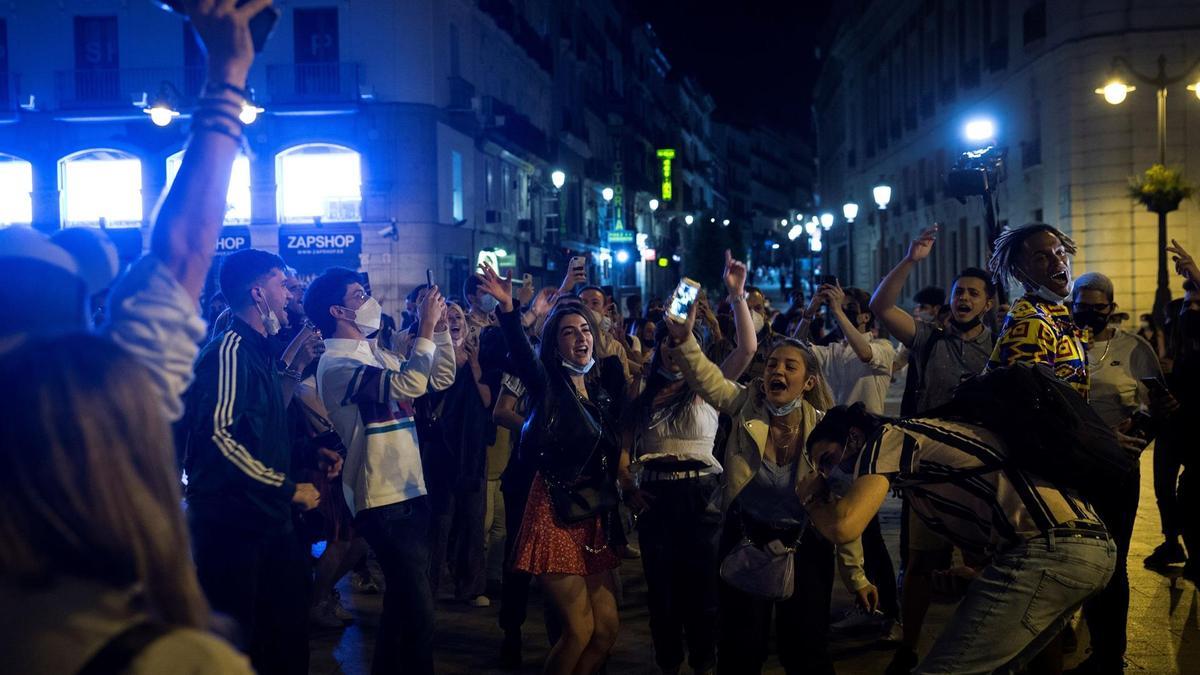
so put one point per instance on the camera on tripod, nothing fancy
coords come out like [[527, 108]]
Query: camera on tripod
[[976, 173]]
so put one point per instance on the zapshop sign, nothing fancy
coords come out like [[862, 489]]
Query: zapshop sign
[[312, 248]]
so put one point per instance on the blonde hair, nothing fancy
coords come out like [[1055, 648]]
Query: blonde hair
[[89, 486], [820, 396]]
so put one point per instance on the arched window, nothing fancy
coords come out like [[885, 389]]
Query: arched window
[[16, 191], [319, 181], [101, 185], [237, 200]]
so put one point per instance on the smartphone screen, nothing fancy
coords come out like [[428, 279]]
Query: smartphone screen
[[830, 279], [684, 297], [429, 277]]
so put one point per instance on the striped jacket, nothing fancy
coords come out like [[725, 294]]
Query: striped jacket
[[369, 392], [238, 450]]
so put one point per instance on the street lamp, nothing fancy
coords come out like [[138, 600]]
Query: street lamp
[[783, 222], [1115, 93], [558, 179], [849, 211], [653, 204], [725, 222], [827, 220], [607, 193], [622, 256], [249, 113], [882, 195], [689, 219], [161, 114]]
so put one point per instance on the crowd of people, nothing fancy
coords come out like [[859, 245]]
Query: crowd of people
[[747, 451]]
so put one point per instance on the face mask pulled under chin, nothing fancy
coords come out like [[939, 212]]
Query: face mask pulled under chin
[[785, 409], [368, 316], [578, 369], [757, 320], [1046, 294], [670, 375], [270, 322]]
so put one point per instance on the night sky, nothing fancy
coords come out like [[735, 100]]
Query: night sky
[[757, 58]]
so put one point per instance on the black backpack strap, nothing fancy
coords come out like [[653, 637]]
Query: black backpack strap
[[914, 381], [116, 654]]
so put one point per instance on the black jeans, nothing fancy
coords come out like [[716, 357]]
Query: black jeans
[[801, 621], [877, 563], [456, 532], [679, 536], [399, 535], [1107, 612], [1169, 451], [263, 581]]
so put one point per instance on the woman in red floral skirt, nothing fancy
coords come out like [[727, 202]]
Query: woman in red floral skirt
[[570, 526]]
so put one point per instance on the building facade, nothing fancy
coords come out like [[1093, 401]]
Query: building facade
[[901, 79], [392, 137]]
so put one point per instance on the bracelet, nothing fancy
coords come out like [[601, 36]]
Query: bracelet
[[218, 128], [212, 102], [211, 87], [292, 373], [208, 112], [738, 298]]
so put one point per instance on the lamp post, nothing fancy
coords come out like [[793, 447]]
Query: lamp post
[[1115, 92]]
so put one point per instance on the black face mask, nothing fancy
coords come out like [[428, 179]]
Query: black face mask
[[1189, 323], [1097, 321], [965, 326]]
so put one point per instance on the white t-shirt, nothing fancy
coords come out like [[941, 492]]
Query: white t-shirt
[[1115, 367], [852, 380]]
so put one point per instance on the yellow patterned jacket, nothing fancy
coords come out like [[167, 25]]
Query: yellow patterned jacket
[[1038, 331]]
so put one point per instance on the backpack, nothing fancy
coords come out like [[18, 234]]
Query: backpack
[[1049, 429]]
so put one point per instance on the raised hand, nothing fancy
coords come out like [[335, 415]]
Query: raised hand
[[224, 28], [735, 275], [496, 286], [575, 276], [544, 301], [1185, 266], [921, 247], [681, 330], [834, 295], [525, 295], [430, 306]]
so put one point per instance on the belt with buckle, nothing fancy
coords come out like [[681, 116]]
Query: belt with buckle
[[650, 476], [1080, 529]]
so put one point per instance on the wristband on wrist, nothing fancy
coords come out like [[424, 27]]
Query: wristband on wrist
[[212, 88], [738, 298]]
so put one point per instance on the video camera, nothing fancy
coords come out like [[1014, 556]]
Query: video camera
[[976, 173]]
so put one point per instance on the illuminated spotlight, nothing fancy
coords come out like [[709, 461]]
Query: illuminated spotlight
[[161, 115], [850, 211], [558, 179], [811, 229], [795, 232], [827, 220], [500, 253], [607, 193], [725, 222], [814, 245], [1115, 92], [653, 204], [676, 258], [980, 130], [622, 256], [774, 247], [689, 219], [249, 113], [783, 222], [712, 220]]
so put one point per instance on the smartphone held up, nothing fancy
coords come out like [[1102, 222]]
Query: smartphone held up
[[682, 299]]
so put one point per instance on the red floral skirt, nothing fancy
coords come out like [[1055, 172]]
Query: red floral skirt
[[546, 546]]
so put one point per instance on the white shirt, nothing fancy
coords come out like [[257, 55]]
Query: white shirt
[[852, 380], [369, 393], [689, 436]]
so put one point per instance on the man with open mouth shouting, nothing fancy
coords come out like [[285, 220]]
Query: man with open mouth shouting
[[1038, 328]]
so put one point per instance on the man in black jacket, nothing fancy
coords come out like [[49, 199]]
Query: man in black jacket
[[238, 456]]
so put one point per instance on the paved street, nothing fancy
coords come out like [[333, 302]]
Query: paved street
[[1164, 622]]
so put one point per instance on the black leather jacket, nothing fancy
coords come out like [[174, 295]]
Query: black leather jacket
[[565, 436]]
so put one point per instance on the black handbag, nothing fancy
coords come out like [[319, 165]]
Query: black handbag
[[584, 498]]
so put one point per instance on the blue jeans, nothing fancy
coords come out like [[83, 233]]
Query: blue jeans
[[399, 535], [1020, 602]]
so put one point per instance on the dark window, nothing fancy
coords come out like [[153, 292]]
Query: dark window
[[1034, 23], [5, 94], [316, 44], [96, 58], [193, 60]]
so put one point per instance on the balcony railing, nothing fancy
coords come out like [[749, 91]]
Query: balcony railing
[[109, 87], [313, 82]]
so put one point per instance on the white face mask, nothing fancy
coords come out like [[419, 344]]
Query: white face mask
[[368, 316], [269, 320], [605, 324], [757, 320], [488, 304], [781, 410], [1047, 294], [578, 369], [670, 375]]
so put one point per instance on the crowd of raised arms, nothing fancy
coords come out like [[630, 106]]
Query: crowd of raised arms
[[742, 453]]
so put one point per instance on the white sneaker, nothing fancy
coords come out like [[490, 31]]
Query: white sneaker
[[480, 601], [855, 619]]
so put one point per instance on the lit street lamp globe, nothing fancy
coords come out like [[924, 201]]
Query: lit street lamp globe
[[622, 256], [607, 193], [653, 204], [826, 220], [882, 195], [558, 179], [849, 211], [689, 219], [1115, 92], [161, 115]]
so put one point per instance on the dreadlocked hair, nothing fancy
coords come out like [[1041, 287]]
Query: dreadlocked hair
[[1006, 250]]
